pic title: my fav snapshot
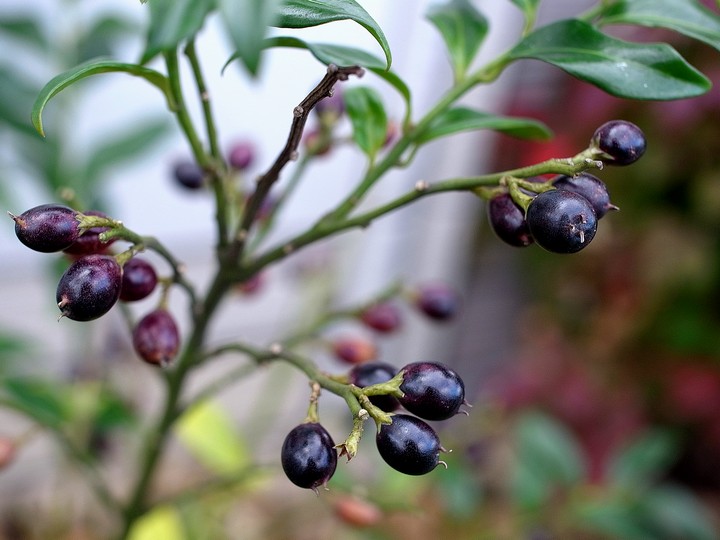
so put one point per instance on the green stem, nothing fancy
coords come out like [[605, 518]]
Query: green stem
[[210, 126]]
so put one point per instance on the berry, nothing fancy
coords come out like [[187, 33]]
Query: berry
[[354, 350], [590, 187], [332, 107], [317, 142], [409, 445], [438, 301], [89, 242], [620, 142], [189, 175], [47, 228], [241, 155], [357, 512], [432, 391], [561, 221], [383, 317], [138, 281], [373, 373], [156, 338], [508, 221], [308, 456], [252, 285], [8, 451], [89, 287]]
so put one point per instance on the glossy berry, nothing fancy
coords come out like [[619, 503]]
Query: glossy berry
[[432, 391], [409, 445], [371, 373], [89, 242], [383, 317], [590, 187], [621, 142], [241, 155], [308, 456], [354, 350], [47, 228], [507, 221], [188, 175], [138, 281], [89, 287], [438, 301], [561, 221], [156, 338]]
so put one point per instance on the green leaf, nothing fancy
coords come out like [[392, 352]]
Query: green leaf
[[645, 459], [307, 13], [172, 22], [93, 67], [629, 70], [675, 513], [43, 401], [463, 29], [612, 519], [688, 17], [16, 97], [461, 119], [528, 7], [160, 522], [365, 109], [99, 38], [247, 23], [25, 29]]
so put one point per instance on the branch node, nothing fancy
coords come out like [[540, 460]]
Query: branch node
[[298, 111]]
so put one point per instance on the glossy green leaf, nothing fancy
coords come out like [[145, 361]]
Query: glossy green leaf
[[247, 23], [366, 111], [463, 29], [687, 17], [308, 13], [25, 29], [630, 70], [94, 67], [172, 22], [461, 119], [674, 513], [43, 401], [645, 459]]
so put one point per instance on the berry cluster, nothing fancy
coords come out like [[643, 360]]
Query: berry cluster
[[97, 279], [561, 214]]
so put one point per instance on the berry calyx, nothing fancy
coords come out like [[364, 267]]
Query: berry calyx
[[354, 350], [383, 317], [561, 221], [590, 187], [156, 338], [620, 142], [308, 456], [432, 391], [89, 287], [89, 242], [241, 155], [188, 175], [507, 221], [438, 301], [138, 281], [371, 373], [47, 228], [408, 445]]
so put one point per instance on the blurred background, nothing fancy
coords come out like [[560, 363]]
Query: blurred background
[[595, 378]]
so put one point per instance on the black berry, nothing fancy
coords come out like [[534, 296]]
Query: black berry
[[89, 287], [409, 445], [508, 221], [432, 391], [47, 228], [561, 221], [241, 155], [308, 456], [621, 142], [383, 317], [89, 242], [156, 338], [590, 187], [188, 175], [138, 281], [438, 301], [371, 373]]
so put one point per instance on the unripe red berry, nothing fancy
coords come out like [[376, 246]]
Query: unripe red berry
[[383, 317], [354, 350], [241, 155]]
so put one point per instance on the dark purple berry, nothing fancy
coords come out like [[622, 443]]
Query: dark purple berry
[[621, 142], [438, 301], [189, 175], [47, 228], [139, 280], [241, 155], [370, 373], [432, 391], [156, 338], [89, 242], [308, 456], [508, 221], [561, 221], [89, 287], [383, 317], [409, 445], [590, 187]]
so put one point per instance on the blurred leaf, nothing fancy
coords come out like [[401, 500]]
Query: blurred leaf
[[93, 67], [112, 411], [463, 29], [674, 513], [12, 345], [25, 29], [162, 522], [365, 109], [613, 519], [689, 17], [43, 401], [528, 7], [247, 24], [16, 97], [461, 119], [172, 22], [98, 39], [308, 13], [208, 432], [645, 459], [529, 488], [629, 70], [460, 490]]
